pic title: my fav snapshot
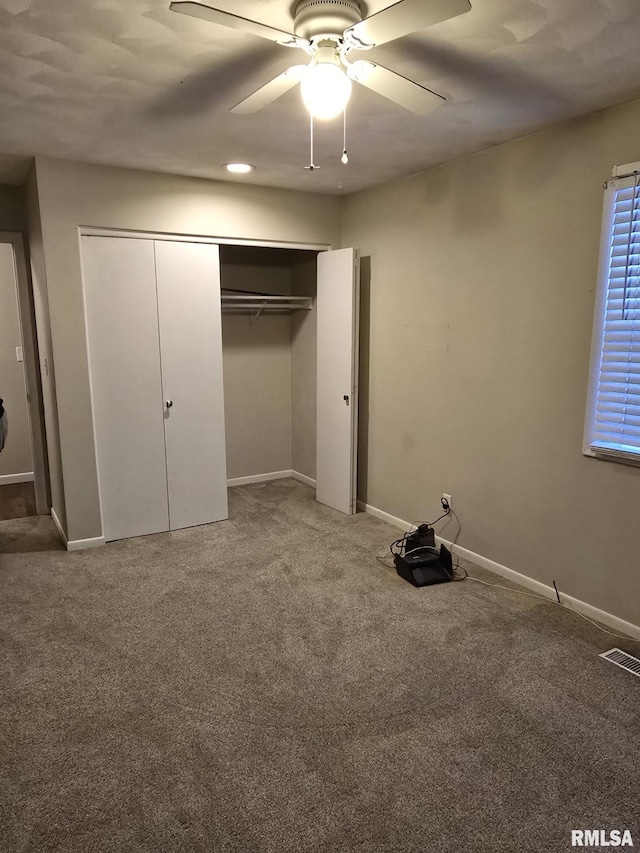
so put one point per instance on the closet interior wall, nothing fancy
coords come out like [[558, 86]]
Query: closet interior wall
[[269, 365]]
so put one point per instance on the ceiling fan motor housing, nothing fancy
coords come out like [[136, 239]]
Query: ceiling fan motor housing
[[315, 18]]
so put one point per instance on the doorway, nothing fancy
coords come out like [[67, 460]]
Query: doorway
[[22, 484]]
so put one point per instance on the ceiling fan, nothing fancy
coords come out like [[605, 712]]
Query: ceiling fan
[[328, 31]]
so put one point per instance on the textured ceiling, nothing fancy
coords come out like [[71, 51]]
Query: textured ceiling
[[129, 83]]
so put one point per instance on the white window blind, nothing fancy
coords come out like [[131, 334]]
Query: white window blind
[[613, 418]]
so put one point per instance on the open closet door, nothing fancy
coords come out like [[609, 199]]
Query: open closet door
[[337, 414]]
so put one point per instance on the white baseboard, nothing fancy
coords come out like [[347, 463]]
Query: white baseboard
[[384, 516], [601, 616], [273, 475], [259, 478], [75, 544], [83, 544], [10, 479], [56, 521], [303, 479]]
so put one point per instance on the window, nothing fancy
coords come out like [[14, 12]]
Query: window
[[613, 412]]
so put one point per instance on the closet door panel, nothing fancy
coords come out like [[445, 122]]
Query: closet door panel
[[337, 382], [188, 278], [124, 355]]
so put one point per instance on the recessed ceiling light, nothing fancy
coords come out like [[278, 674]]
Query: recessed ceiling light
[[239, 168]]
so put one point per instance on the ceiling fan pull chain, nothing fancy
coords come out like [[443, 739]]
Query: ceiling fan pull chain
[[345, 156], [312, 165], [311, 137]]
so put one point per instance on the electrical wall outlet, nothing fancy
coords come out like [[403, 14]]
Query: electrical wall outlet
[[446, 498]]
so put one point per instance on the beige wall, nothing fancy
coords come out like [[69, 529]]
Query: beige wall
[[257, 376], [482, 276], [16, 458], [252, 277], [72, 195], [303, 372]]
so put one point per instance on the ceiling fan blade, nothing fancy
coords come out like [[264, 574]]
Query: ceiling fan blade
[[412, 96], [226, 19], [220, 86], [492, 76], [271, 91], [401, 19]]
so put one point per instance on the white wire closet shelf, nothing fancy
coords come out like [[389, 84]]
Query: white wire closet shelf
[[258, 303]]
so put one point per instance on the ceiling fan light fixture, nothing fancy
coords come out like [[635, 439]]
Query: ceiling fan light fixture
[[239, 168], [325, 89]]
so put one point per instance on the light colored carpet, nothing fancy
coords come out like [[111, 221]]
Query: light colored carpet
[[263, 685]]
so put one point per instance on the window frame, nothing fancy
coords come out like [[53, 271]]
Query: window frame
[[623, 176]]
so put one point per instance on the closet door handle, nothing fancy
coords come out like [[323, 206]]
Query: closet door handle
[[346, 399], [169, 404]]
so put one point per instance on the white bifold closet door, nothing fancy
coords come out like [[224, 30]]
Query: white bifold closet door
[[188, 276], [338, 303], [124, 353], [155, 352]]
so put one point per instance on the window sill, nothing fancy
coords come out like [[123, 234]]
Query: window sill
[[612, 456]]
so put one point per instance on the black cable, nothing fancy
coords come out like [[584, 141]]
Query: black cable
[[398, 546], [440, 517], [543, 600], [460, 568], [399, 543]]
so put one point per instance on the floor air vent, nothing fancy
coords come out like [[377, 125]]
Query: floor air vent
[[622, 659]]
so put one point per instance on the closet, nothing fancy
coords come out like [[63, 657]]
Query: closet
[[290, 324], [167, 373], [154, 342], [269, 358]]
